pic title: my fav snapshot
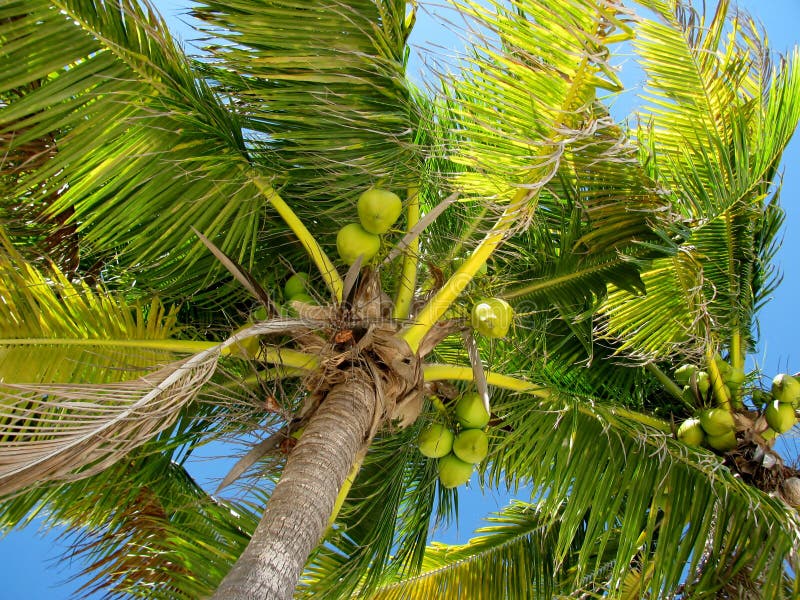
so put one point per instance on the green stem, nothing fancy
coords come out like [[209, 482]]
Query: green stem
[[717, 381], [438, 372], [435, 372], [453, 287], [668, 384], [737, 352], [288, 358], [408, 277], [329, 273]]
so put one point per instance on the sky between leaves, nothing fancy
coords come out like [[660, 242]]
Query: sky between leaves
[[32, 566]]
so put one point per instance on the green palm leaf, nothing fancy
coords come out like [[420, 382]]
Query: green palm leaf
[[107, 83], [670, 318], [510, 558], [324, 93], [639, 488], [53, 329], [717, 116], [526, 91]]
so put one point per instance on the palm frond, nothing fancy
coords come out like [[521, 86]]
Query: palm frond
[[639, 488], [54, 329], [526, 90], [596, 222], [510, 558], [108, 84], [713, 140], [672, 315], [72, 430], [322, 87], [64, 431], [142, 528]]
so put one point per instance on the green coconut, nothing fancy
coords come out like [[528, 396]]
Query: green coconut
[[716, 421], [723, 366], [780, 416], [723, 442], [353, 241], [259, 314], [684, 373], [471, 412], [786, 389], [378, 210], [703, 382], [435, 440], [471, 445], [296, 284], [453, 471], [691, 432], [492, 317]]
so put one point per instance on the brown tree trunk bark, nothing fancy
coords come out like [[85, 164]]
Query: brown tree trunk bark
[[297, 513]]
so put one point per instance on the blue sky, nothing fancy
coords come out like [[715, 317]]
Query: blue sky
[[31, 567]]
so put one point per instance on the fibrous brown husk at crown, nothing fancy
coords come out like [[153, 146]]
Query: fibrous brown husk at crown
[[360, 335], [754, 460], [759, 466]]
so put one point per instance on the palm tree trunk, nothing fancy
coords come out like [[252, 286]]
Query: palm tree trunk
[[298, 511]]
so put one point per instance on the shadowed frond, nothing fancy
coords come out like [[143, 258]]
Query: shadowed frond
[[55, 424], [108, 85]]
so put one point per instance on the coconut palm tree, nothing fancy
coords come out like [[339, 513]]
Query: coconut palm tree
[[156, 205]]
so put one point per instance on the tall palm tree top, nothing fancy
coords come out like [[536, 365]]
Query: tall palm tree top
[[155, 205]]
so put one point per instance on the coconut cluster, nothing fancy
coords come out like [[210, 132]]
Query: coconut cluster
[[716, 427], [780, 413], [378, 210], [713, 427], [697, 383], [458, 450]]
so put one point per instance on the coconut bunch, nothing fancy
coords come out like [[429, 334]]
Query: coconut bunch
[[713, 427], [697, 383], [716, 427], [378, 210], [744, 435], [780, 412], [458, 449]]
